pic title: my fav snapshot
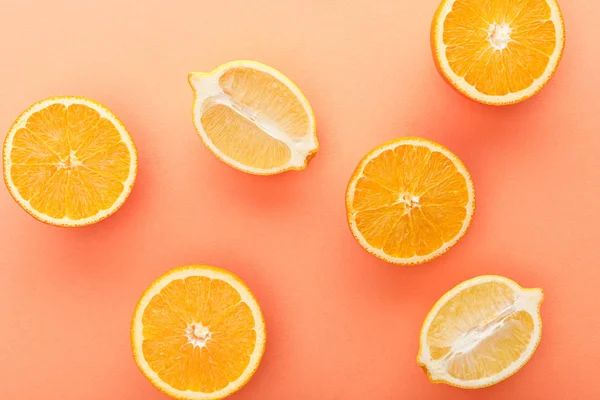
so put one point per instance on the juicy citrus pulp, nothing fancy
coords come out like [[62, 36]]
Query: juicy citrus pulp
[[409, 201], [480, 332], [498, 51], [253, 118], [69, 161], [198, 333]]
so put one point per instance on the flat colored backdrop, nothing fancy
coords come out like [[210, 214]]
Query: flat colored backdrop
[[341, 324]]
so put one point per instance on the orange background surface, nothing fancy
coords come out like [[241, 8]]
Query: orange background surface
[[341, 324]]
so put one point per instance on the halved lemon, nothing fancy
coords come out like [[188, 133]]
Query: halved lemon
[[409, 201], [253, 118], [480, 332], [69, 161], [498, 51], [198, 333]]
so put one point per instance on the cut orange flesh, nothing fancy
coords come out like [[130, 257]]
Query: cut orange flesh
[[498, 51], [69, 161], [198, 333], [481, 332], [409, 201], [253, 118]]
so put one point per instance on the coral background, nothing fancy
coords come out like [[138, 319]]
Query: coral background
[[342, 325]]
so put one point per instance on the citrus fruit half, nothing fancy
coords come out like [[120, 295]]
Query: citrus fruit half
[[253, 118], [69, 161], [480, 332], [198, 333], [409, 200], [498, 51]]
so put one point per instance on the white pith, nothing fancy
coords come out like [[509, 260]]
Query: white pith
[[206, 88], [470, 90], [499, 35], [528, 300], [246, 297], [198, 335], [412, 201], [73, 161]]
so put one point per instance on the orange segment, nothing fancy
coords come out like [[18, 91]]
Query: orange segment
[[110, 161], [51, 199], [89, 192], [409, 201], [480, 332], [483, 302], [81, 118], [29, 179], [29, 149], [262, 92], [198, 333], [50, 126], [498, 51], [505, 346], [242, 140], [253, 118], [69, 161], [103, 136]]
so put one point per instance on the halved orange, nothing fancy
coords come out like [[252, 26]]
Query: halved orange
[[480, 332], [69, 161], [198, 333], [409, 201], [498, 51], [253, 118]]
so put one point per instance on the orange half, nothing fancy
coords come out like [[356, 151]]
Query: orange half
[[409, 201], [198, 333], [498, 51], [69, 161]]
